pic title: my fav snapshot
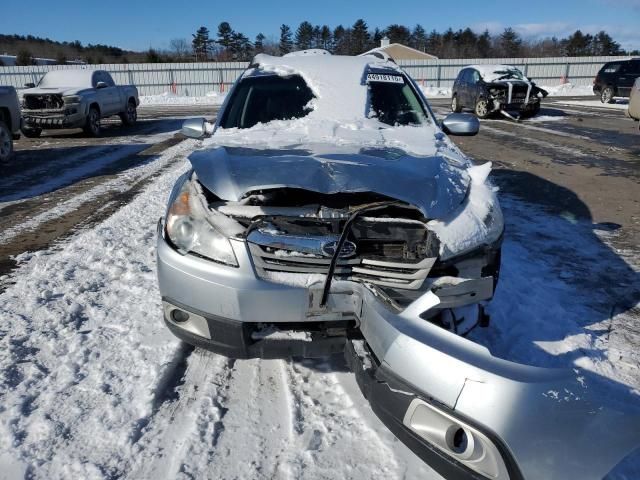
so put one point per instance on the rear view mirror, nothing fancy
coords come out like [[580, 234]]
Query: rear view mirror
[[30, 85], [462, 124], [194, 128]]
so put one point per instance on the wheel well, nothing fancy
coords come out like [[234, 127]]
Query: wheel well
[[5, 117], [95, 105], [132, 100]]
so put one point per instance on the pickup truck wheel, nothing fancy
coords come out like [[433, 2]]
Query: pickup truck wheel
[[130, 116], [607, 95], [92, 127], [31, 132], [6, 143], [455, 105], [482, 108]]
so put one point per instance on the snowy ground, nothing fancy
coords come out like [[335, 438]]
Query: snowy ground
[[94, 386], [620, 103], [168, 98]]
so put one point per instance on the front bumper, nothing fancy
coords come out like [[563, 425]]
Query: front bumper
[[541, 423], [72, 116]]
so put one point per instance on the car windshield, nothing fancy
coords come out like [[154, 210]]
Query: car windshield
[[67, 78], [513, 73], [266, 98], [395, 104]]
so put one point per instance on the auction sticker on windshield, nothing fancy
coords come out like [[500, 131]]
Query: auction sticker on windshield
[[381, 77]]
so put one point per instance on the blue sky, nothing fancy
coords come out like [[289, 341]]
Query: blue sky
[[139, 25]]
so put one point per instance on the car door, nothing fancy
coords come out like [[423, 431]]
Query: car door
[[460, 87], [470, 415], [625, 79], [108, 93], [473, 86]]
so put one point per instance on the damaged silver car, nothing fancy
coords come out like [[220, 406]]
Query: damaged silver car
[[327, 211]]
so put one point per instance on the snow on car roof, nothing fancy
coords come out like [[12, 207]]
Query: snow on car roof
[[336, 81], [488, 72], [67, 78]]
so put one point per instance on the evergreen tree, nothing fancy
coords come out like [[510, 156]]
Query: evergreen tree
[[24, 58], [360, 38], [61, 58], [225, 35], [340, 41], [398, 34], [258, 45], [419, 38], [325, 37], [201, 44], [484, 45], [304, 36], [286, 44], [510, 43], [240, 47]]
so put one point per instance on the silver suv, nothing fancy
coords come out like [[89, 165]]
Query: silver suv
[[327, 211]]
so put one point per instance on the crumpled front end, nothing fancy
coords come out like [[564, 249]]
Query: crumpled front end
[[514, 96], [52, 111]]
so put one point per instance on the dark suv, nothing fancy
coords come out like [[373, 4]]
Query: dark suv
[[615, 79]]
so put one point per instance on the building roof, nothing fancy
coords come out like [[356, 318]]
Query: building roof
[[398, 51]]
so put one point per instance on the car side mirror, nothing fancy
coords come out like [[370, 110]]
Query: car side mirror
[[101, 85], [29, 85], [195, 128], [461, 124]]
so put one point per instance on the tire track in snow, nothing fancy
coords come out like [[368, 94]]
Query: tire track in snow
[[163, 447], [253, 437]]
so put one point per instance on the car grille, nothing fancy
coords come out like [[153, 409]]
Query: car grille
[[405, 275]]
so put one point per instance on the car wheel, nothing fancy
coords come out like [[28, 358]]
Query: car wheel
[[455, 105], [92, 127], [130, 116], [482, 108], [31, 132], [6, 143], [607, 95]]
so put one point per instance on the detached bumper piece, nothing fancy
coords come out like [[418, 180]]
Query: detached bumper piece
[[450, 445]]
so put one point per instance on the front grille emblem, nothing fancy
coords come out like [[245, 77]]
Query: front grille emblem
[[348, 249]]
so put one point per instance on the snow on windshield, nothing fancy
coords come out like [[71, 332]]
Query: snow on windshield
[[338, 110], [492, 73], [67, 78]]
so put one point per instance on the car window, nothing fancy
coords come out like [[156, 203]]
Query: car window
[[474, 76], [462, 76], [611, 68], [395, 104], [106, 78], [634, 67], [266, 98]]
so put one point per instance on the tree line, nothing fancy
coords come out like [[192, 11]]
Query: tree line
[[228, 44]]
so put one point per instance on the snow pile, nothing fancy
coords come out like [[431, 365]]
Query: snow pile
[[168, 98], [570, 90]]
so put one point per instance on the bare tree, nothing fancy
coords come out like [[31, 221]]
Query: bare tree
[[180, 47]]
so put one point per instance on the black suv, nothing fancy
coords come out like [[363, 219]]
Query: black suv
[[615, 79], [489, 89]]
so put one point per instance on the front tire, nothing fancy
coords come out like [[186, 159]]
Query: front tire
[[6, 143], [607, 95], [482, 108], [92, 126], [130, 116], [455, 105]]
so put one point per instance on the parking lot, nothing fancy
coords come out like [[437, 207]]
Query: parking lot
[[568, 296]]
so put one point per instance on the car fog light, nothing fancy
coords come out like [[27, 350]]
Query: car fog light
[[179, 316]]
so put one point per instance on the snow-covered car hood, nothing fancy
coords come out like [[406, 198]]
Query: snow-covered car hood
[[54, 91], [429, 183]]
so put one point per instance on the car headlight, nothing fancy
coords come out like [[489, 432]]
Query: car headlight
[[190, 231], [71, 99]]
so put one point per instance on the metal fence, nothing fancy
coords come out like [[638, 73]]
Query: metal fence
[[197, 79]]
